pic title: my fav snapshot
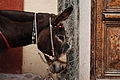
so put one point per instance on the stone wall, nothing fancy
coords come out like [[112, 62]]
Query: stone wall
[[72, 28]]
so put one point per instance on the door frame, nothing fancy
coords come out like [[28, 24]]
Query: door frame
[[93, 35]]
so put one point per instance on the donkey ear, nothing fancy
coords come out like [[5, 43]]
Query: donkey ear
[[64, 15]]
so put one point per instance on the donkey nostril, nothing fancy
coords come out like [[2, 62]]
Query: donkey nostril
[[53, 66], [62, 67], [66, 45]]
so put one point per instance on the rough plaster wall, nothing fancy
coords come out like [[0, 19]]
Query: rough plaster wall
[[72, 32], [31, 59], [83, 42], [85, 24]]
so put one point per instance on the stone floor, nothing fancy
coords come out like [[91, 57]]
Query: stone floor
[[27, 76]]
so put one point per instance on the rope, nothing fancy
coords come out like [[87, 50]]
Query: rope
[[36, 25], [34, 32], [42, 58], [51, 37]]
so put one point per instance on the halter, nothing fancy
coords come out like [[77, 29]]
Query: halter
[[34, 35], [51, 37], [34, 39], [52, 45]]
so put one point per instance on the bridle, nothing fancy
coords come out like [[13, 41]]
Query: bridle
[[34, 40], [51, 37], [53, 58], [34, 33]]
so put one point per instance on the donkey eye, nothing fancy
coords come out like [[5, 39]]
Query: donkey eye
[[61, 37]]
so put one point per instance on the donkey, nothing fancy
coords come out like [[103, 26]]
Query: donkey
[[17, 28]]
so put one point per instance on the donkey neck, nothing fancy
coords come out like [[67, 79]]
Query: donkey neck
[[18, 29], [18, 33], [16, 26]]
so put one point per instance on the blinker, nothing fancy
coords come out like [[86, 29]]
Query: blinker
[[59, 26]]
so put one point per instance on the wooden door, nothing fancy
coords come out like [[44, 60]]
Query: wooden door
[[11, 61], [105, 40]]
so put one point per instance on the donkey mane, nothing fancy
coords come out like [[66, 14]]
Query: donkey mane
[[20, 16]]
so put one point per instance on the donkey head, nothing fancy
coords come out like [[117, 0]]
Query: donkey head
[[55, 61]]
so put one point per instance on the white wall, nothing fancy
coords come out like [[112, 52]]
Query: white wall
[[31, 59], [41, 6], [85, 24]]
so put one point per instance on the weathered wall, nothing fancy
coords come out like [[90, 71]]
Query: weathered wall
[[72, 28], [78, 28], [31, 59]]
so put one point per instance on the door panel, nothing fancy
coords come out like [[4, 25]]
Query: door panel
[[111, 5], [111, 49], [105, 40]]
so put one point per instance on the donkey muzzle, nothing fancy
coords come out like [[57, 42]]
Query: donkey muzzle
[[60, 64], [57, 67]]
